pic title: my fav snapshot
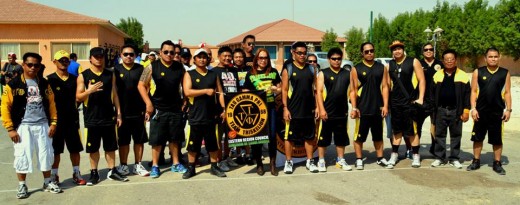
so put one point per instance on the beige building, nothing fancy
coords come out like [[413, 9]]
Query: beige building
[[32, 27], [278, 36]]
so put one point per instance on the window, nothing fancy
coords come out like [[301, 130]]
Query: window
[[81, 49], [18, 48], [270, 49], [287, 52], [317, 48]]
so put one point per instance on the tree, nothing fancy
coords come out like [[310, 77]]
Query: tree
[[328, 40], [355, 37], [382, 37], [509, 20], [134, 29]]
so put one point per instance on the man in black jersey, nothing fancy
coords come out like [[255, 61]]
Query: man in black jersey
[[490, 108], [200, 86], [248, 44], [406, 95], [450, 92], [332, 85], [159, 87], [63, 85], [299, 106], [228, 77], [97, 89], [133, 108], [370, 103]]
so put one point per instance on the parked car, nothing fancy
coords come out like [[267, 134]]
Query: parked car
[[323, 62], [384, 61]]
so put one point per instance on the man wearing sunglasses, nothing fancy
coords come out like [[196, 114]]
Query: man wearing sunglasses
[[159, 87], [30, 118], [370, 104], [64, 86], [406, 96], [248, 44], [133, 108], [313, 60]]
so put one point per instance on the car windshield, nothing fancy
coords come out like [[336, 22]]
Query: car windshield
[[322, 55]]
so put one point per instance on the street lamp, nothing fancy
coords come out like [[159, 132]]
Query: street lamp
[[436, 36]]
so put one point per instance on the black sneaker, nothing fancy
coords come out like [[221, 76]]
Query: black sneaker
[[240, 160], [115, 175], [190, 173], [497, 167], [475, 164], [249, 161], [215, 170], [94, 178]]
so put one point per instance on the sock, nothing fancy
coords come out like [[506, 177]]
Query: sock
[[395, 148], [321, 160], [191, 165], [94, 170], [47, 180], [338, 159], [21, 182], [54, 171], [75, 168], [213, 164], [415, 149], [114, 169], [359, 158], [379, 158], [308, 161]]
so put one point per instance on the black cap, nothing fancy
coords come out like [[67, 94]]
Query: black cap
[[97, 51], [185, 52]]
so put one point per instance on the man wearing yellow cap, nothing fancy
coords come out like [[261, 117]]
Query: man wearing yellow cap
[[63, 86]]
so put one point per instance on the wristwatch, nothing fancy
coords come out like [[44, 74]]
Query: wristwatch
[[509, 110]]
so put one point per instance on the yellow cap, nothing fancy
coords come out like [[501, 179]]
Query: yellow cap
[[60, 54]]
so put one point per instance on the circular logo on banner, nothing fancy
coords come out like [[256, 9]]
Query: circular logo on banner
[[246, 114]]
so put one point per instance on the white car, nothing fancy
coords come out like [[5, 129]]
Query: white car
[[323, 62], [384, 61]]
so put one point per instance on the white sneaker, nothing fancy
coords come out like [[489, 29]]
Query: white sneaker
[[123, 169], [437, 163], [288, 169], [231, 163], [393, 159], [359, 164], [456, 164], [416, 161], [382, 162], [140, 170], [343, 165], [311, 166], [52, 188], [321, 166]]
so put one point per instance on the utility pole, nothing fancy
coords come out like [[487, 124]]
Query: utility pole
[[371, 21]]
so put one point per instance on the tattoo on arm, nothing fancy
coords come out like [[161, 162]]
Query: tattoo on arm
[[147, 73]]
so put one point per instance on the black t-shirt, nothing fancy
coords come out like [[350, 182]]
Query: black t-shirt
[[263, 81], [65, 98], [335, 91], [203, 108], [99, 108], [301, 102], [228, 78], [405, 73], [447, 92], [429, 72], [132, 105], [491, 87], [249, 60], [165, 86], [370, 99]]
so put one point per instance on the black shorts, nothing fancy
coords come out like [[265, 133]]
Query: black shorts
[[67, 134], [95, 134], [402, 121], [206, 132], [338, 127], [132, 129], [298, 129], [490, 123], [373, 123], [166, 127]]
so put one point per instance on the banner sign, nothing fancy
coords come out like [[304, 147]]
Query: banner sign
[[246, 118]]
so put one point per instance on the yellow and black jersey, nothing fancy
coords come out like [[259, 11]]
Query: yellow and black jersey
[[370, 98], [165, 86], [132, 105], [301, 102], [403, 71], [203, 108], [491, 86], [99, 107], [64, 90], [335, 92]]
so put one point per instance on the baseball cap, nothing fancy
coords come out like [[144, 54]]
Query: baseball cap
[[11, 54], [153, 53], [185, 52], [199, 51], [60, 54], [97, 51], [396, 43], [143, 55]]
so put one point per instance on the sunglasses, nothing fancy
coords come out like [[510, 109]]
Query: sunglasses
[[427, 49], [263, 58], [312, 61], [251, 44], [64, 61], [171, 53], [335, 59], [33, 65], [366, 52], [301, 53], [128, 54]]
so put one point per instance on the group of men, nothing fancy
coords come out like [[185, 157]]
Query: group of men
[[41, 114]]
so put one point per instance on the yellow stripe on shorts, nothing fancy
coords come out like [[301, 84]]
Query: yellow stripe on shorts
[[287, 126], [356, 129]]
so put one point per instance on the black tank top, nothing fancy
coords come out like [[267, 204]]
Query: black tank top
[[336, 93], [370, 100], [301, 101], [132, 105], [165, 88], [405, 73], [65, 98], [203, 108], [491, 87], [99, 108]]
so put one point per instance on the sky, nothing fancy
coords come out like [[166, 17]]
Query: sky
[[215, 21]]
